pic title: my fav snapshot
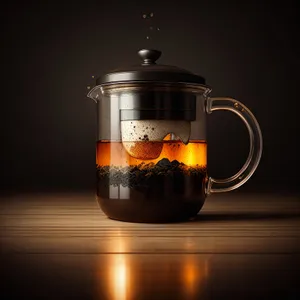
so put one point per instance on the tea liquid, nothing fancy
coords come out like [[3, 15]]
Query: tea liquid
[[151, 181]]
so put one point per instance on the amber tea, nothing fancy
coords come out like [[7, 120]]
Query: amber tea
[[153, 179]]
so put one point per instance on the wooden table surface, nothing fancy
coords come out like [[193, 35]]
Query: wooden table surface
[[61, 246]]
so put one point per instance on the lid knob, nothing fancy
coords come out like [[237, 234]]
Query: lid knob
[[149, 56]]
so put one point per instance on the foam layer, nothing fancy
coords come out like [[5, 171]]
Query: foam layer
[[136, 135]]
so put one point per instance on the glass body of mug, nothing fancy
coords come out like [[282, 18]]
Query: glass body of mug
[[151, 151]]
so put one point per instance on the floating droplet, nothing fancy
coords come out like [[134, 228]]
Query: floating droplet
[[158, 28], [88, 87], [93, 76], [148, 15], [147, 37]]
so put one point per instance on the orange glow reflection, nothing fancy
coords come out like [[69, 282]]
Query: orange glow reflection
[[128, 276], [114, 153], [119, 279], [194, 274]]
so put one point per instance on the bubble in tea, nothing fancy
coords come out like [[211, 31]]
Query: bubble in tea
[[144, 150]]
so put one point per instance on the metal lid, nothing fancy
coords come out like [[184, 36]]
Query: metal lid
[[150, 71]]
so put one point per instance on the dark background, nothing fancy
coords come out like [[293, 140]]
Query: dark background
[[50, 51]]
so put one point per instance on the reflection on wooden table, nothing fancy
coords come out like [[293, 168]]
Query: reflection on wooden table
[[124, 276], [63, 247]]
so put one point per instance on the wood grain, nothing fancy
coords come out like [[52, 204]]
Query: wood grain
[[239, 246]]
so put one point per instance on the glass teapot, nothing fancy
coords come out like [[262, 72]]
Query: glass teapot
[[151, 149]]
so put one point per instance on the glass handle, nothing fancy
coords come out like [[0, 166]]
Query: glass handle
[[256, 145]]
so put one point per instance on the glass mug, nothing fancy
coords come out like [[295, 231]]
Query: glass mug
[[151, 150]]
